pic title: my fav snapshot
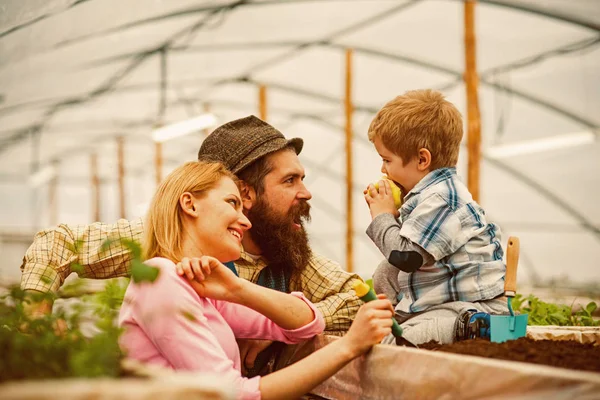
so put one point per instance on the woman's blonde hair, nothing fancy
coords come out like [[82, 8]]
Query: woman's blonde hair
[[163, 227]]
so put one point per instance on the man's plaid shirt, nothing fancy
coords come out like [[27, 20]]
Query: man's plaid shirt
[[440, 215], [48, 261]]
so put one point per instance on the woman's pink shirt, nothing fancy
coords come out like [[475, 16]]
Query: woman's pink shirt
[[166, 323]]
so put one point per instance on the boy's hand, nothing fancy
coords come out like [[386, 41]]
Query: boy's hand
[[381, 201]]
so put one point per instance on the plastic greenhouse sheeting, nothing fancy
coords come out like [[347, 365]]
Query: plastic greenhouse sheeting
[[75, 74]]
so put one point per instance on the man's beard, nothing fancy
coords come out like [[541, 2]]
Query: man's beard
[[283, 245]]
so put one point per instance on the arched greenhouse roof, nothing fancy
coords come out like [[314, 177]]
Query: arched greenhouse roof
[[76, 74]]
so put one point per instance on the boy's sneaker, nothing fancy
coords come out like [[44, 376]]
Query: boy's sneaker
[[471, 324]]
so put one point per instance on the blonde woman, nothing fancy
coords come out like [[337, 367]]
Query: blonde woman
[[193, 325]]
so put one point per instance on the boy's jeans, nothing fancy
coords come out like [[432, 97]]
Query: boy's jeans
[[436, 323]]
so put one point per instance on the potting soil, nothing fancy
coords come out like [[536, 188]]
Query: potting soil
[[564, 354]]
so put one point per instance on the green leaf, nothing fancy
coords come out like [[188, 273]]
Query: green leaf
[[560, 318], [134, 247], [107, 243], [517, 302], [72, 289], [591, 307], [77, 268], [141, 272], [76, 246], [189, 316]]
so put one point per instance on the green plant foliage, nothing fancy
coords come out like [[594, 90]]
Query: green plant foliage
[[33, 347], [140, 272], [542, 313]]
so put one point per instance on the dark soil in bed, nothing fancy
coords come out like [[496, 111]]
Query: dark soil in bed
[[563, 354]]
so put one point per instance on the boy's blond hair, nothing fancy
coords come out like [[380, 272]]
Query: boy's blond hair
[[420, 119], [163, 228]]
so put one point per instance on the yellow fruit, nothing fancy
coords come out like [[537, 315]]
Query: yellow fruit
[[396, 192]]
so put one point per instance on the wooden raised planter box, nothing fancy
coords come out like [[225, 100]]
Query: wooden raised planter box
[[113, 389], [145, 383], [389, 372], [582, 334]]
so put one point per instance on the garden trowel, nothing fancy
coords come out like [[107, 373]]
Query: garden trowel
[[509, 327], [366, 294]]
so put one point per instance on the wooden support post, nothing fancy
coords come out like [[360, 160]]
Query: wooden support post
[[262, 102], [121, 172], [473, 117], [206, 109], [158, 161], [53, 197], [349, 213], [95, 188]]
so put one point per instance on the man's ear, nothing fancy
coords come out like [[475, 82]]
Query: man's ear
[[187, 201], [424, 159], [248, 195]]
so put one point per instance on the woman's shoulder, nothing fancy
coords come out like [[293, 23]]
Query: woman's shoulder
[[166, 267], [173, 285], [161, 262], [167, 281]]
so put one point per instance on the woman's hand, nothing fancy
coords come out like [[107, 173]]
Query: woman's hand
[[210, 278], [189, 267], [373, 322], [249, 350]]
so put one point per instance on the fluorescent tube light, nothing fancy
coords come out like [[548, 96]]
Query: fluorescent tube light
[[184, 127], [540, 145], [42, 176]]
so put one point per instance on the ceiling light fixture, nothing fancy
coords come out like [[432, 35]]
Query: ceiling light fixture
[[183, 128], [540, 145]]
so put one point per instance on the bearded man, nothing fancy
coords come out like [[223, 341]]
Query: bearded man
[[275, 254]]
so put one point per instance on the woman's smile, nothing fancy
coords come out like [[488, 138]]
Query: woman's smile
[[237, 233]]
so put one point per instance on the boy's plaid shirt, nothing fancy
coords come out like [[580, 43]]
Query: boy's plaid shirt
[[48, 261], [440, 215]]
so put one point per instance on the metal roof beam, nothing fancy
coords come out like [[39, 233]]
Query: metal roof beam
[[109, 83], [530, 7]]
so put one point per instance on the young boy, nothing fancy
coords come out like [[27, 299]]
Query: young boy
[[447, 258]]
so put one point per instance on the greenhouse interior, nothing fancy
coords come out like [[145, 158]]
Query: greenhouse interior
[[106, 106]]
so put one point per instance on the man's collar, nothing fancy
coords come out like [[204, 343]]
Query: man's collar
[[251, 258], [432, 178]]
